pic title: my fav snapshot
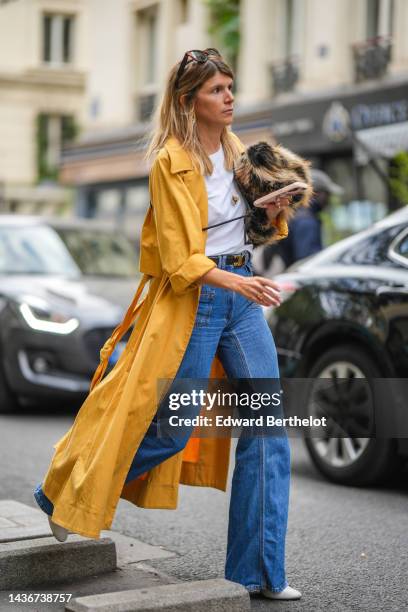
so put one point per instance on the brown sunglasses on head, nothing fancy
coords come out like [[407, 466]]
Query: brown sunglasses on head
[[195, 55]]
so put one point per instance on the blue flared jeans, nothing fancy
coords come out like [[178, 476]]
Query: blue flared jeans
[[235, 328]]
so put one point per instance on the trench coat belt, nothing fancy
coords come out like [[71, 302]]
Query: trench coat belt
[[109, 346]]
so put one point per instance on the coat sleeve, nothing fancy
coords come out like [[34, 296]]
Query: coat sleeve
[[179, 229]]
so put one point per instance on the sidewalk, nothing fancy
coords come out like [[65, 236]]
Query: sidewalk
[[107, 574]]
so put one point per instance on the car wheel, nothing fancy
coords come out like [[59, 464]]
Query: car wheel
[[8, 400], [346, 460]]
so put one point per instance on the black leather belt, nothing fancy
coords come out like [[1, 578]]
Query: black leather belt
[[237, 260]]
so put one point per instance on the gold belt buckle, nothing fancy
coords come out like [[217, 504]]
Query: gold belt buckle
[[238, 260]]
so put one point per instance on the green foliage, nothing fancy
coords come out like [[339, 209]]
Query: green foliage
[[331, 233], [69, 131], [225, 26], [43, 170], [399, 177]]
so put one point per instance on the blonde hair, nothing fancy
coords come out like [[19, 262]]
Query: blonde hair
[[171, 118]]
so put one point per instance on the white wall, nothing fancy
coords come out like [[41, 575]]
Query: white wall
[[109, 86], [29, 87], [254, 57], [400, 51], [326, 61], [14, 36]]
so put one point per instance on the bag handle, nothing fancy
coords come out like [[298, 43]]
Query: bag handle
[[223, 222]]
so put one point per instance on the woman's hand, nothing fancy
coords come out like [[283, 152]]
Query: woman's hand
[[280, 205], [261, 290]]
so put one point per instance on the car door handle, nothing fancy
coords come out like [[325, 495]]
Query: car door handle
[[396, 290]]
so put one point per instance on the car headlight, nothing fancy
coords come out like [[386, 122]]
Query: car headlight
[[41, 317]]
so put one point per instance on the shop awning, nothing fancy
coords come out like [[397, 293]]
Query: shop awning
[[383, 141]]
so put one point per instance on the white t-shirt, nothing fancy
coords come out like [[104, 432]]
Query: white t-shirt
[[222, 191]]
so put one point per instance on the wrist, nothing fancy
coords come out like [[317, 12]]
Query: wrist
[[223, 279], [236, 282]]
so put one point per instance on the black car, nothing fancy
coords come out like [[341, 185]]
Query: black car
[[64, 286], [344, 317]]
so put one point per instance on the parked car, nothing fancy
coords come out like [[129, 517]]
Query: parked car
[[64, 286], [344, 317]]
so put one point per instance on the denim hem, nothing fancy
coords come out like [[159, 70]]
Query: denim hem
[[281, 588], [255, 588], [40, 502]]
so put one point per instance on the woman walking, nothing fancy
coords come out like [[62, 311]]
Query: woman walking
[[201, 317]]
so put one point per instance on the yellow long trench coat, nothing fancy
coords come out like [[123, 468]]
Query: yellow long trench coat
[[87, 473]]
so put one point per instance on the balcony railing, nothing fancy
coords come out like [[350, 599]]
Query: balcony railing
[[285, 75], [371, 58]]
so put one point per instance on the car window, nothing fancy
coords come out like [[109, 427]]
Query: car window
[[34, 250], [398, 250], [373, 250], [100, 253], [402, 248]]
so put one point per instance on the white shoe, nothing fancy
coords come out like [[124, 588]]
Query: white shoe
[[60, 533], [287, 593]]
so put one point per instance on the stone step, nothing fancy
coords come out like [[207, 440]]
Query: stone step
[[216, 595], [21, 522], [41, 561], [54, 598]]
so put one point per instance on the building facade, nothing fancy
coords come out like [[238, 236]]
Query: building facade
[[132, 46], [327, 78], [42, 89], [336, 74]]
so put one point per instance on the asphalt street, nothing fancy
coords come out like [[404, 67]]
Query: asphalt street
[[347, 548]]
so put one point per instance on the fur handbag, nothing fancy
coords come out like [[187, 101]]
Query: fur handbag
[[263, 168]]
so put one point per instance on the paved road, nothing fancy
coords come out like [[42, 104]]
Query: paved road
[[347, 548]]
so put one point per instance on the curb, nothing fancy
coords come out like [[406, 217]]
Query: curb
[[216, 595], [109, 574], [28, 563]]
